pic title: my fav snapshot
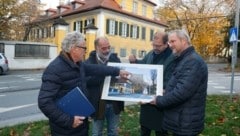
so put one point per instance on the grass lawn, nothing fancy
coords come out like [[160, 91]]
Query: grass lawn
[[222, 119]]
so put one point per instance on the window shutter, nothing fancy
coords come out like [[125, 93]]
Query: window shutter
[[74, 26], [85, 23], [107, 26], [137, 32], [143, 33], [116, 27], [81, 26], [127, 30], [131, 31], [120, 28]]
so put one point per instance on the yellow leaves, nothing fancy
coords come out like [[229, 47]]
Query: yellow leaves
[[205, 25]]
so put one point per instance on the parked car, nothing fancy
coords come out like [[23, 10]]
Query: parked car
[[3, 64]]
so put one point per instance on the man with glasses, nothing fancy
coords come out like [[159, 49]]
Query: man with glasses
[[184, 101], [161, 54], [105, 110], [63, 74]]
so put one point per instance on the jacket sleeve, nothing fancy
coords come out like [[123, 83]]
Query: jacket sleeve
[[98, 80], [185, 82], [100, 70], [144, 60], [51, 83]]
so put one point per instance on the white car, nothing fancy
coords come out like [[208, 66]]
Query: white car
[[3, 64]]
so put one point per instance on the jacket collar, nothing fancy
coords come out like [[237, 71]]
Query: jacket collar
[[185, 52]]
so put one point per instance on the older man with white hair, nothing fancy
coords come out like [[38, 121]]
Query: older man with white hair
[[63, 74]]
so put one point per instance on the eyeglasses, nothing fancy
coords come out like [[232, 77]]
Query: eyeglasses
[[85, 48], [157, 45]]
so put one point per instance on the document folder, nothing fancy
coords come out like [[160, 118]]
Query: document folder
[[75, 103]]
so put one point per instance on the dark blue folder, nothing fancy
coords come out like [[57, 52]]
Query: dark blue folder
[[76, 103]]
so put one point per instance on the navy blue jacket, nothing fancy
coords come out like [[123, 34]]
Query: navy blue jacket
[[59, 77], [185, 97], [95, 86]]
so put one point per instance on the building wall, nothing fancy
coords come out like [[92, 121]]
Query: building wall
[[18, 63]]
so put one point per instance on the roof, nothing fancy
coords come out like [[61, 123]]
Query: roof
[[88, 5]]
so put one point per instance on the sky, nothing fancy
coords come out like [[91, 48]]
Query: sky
[[55, 3]]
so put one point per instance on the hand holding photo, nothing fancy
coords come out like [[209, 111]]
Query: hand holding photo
[[144, 83]]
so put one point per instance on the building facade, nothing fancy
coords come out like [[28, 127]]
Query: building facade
[[128, 24]]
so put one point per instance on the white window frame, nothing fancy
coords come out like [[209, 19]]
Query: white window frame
[[135, 7], [112, 27], [144, 10], [134, 31], [78, 26], [124, 29]]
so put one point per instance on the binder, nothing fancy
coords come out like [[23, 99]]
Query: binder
[[75, 103]]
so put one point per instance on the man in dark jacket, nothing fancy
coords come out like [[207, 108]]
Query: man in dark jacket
[[151, 116], [185, 94], [105, 109], [62, 75]]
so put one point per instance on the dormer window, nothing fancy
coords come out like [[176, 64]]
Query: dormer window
[[62, 8], [50, 12], [77, 3]]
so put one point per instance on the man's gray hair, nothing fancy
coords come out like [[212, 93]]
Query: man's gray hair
[[72, 39], [182, 34]]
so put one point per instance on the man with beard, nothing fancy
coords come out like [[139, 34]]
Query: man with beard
[[184, 100], [161, 54], [105, 109]]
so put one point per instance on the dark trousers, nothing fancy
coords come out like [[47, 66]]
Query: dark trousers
[[147, 132]]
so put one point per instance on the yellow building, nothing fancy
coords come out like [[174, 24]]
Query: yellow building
[[128, 24]]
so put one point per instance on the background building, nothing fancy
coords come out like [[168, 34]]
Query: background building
[[128, 24]]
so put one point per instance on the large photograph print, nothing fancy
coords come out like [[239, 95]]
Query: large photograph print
[[145, 82]]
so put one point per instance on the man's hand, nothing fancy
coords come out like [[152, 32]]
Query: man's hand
[[132, 58], [124, 74], [153, 102], [78, 120]]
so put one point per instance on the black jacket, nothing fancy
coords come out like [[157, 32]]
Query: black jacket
[[95, 86], [185, 97], [59, 77], [151, 116]]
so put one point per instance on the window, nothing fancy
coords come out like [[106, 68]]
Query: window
[[151, 34], [123, 52], [124, 29], [134, 52], [134, 31], [112, 49], [44, 32], [143, 33], [144, 10], [141, 53], [135, 7], [112, 27], [78, 26], [2, 48], [31, 50], [52, 31], [123, 4], [89, 21]]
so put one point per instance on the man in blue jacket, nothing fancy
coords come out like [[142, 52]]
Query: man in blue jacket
[[185, 94], [105, 109], [63, 74]]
